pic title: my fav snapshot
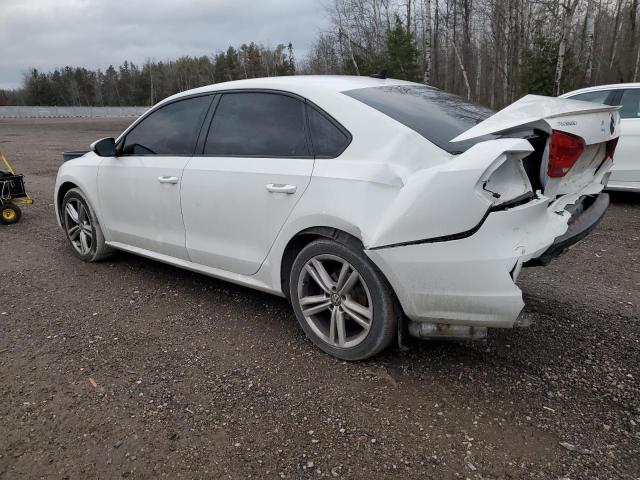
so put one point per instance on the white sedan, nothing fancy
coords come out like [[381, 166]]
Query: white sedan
[[376, 206], [625, 174]]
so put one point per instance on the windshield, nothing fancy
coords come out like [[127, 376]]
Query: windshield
[[436, 115]]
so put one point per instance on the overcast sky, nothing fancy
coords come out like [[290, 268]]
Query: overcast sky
[[46, 34]]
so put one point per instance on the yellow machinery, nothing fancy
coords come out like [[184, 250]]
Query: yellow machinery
[[12, 194]]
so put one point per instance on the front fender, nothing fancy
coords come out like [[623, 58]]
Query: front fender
[[83, 173]]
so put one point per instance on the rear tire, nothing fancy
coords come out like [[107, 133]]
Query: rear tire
[[82, 228], [10, 214], [342, 301]]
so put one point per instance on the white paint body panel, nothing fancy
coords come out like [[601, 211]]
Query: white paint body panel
[[625, 173], [626, 170], [231, 219], [468, 281], [389, 187], [137, 209], [571, 116]]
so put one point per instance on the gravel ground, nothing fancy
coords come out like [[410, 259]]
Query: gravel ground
[[131, 368]]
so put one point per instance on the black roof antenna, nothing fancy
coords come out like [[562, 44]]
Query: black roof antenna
[[382, 74]]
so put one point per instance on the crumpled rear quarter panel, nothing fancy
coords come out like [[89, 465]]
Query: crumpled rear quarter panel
[[468, 281]]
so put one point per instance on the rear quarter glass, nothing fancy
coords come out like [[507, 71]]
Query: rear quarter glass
[[599, 96], [436, 115], [630, 103]]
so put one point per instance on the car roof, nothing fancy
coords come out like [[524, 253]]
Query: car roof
[[303, 85], [613, 86]]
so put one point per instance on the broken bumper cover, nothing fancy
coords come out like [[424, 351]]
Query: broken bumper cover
[[585, 216], [470, 281]]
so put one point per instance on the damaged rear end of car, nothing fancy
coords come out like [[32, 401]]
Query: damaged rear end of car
[[528, 188]]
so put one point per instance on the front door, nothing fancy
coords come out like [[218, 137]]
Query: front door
[[626, 167], [139, 190], [255, 167]]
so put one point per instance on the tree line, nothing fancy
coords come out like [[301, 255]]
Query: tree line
[[489, 51], [139, 85]]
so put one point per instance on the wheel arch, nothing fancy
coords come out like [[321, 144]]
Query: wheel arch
[[304, 238], [62, 191]]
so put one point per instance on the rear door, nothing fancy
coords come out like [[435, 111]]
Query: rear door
[[139, 190], [237, 193], [626, 166]]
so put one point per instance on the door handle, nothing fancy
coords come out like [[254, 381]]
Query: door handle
[[280, 188], [167, 179]]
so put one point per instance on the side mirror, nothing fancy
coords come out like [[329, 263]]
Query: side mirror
[[105, 147]]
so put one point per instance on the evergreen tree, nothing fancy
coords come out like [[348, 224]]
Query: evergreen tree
[[129, 84], [539, 66], [401, 54]]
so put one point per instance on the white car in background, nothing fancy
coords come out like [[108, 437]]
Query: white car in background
[[625, 174], [351, 197]]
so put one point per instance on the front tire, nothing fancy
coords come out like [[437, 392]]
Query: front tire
[[342, 301], [82, 228]]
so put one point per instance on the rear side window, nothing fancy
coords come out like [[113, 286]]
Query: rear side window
[[436, 115], [258, 124], [329, 141], [170, 130], [630, 102], [595, 97]]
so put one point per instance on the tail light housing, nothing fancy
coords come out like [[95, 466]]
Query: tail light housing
[[564, 151], [611, 148]]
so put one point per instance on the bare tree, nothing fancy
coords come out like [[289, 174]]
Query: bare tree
[[616, 29], [427, 33], [568, 9], [589, 32]]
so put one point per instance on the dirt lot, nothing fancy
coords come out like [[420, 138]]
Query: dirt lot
[[130, 368]]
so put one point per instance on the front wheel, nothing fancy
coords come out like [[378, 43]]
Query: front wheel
[[342, 301], [82, 228]]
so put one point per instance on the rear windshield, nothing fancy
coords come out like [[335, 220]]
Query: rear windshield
[[436, 115]]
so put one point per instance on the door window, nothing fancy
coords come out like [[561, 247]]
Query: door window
[[630, 102], [328, 140], [170, 130], [599, 96], [256, 124]]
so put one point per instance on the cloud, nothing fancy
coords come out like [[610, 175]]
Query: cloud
[[46, 34]]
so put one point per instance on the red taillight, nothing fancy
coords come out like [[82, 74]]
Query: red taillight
[[611, 147], [564, 151]]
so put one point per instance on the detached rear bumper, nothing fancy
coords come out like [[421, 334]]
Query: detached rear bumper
[[471, 281], [585, 216]]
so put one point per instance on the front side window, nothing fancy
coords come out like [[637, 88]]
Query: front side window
[[436, 115], [170, 130], [596, 97], [630, 102], [257, 124]]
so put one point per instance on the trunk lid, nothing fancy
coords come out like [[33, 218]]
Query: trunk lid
[[593, 122], [537, 118]]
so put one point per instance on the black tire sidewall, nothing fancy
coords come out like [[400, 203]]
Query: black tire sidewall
[[76, 194], [383, 328]]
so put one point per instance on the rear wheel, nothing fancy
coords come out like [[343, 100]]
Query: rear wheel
[[342, 301], [10, 214], [82, 228]]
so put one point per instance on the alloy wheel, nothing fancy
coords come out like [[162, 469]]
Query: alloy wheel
[[335, 301], [78, 225]]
